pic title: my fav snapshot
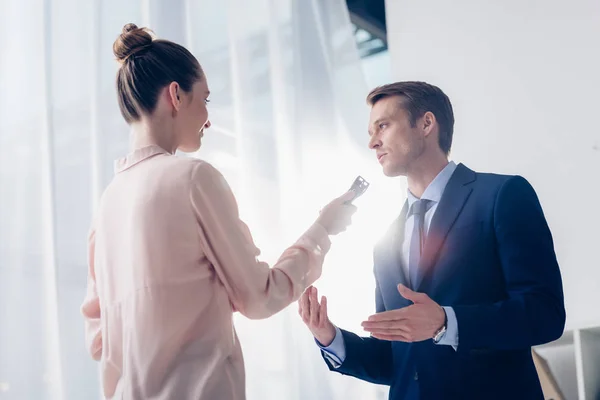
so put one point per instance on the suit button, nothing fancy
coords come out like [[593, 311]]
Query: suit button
[[416, 377]]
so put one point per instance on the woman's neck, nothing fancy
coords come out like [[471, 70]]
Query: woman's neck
[[147, 133]]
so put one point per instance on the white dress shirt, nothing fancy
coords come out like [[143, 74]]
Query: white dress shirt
[[336, 351]]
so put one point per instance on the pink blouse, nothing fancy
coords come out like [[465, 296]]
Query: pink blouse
[[169, 262]]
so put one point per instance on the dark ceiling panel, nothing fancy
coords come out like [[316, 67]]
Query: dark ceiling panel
[[369, 15]]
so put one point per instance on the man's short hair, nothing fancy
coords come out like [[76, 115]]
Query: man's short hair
[[417, 99]]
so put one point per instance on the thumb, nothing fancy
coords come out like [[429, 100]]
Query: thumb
[[323, 313], [411, 295], [348, 196]]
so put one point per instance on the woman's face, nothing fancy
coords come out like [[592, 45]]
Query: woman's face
[[192, 117]]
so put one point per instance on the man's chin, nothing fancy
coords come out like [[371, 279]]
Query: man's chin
[[393, 172]]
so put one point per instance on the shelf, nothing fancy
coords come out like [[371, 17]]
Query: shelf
[[561, 360], [589, 344], [574, 362]]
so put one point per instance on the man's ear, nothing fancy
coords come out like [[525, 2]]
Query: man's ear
[[428, 122]]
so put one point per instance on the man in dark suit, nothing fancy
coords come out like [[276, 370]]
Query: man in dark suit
[[467, 280]]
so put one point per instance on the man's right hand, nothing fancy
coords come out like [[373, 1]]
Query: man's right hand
[[315, 317]]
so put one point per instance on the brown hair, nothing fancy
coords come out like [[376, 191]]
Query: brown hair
[[419, 98], [147, 66]]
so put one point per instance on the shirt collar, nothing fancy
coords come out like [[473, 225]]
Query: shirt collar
[[137, 156], [434, 191]]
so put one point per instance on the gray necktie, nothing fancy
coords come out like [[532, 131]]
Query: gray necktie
[[417, 240]]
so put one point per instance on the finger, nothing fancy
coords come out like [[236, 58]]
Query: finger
[[411, 295], [323, 313], [305, 305], [300, 304], [396, 332], [314, 307], [391, 315], [301, 301], [343, 222], [348, 196], [348, 220], [396, 324], [392, 338]]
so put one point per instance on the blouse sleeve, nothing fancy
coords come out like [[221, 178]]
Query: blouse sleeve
[[91, 306], [255, 289]]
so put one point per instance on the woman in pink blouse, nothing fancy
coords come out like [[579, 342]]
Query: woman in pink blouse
[[169, 259]]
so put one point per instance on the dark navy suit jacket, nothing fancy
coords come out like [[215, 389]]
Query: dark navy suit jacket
[[489, 254]]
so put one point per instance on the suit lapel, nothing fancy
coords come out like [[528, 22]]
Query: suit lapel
[[397, 244], [388, 262], [451, 204]]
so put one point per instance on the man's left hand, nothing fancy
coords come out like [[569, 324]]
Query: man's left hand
[[415, 323]]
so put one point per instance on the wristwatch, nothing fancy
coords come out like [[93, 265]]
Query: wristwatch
[[440, 333]]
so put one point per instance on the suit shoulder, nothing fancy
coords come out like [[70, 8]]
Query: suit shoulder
[[502, 180], [505, 187], [493, 179]]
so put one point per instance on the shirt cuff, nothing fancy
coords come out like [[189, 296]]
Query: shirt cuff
[[336, 351], [450, 337]]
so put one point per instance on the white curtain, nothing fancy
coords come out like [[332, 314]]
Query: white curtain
[[289, 133]]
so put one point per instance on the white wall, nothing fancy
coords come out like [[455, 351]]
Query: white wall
[[524, 79]]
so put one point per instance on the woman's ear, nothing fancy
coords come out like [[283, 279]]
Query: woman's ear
[[175, 96]]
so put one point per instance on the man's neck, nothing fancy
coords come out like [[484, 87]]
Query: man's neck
[[421, 175]]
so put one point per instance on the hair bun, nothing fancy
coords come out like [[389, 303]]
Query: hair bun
[[131, 41]]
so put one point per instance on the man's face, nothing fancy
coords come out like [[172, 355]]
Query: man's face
[[397, 144]]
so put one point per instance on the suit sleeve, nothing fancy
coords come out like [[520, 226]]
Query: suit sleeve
[[367, 358], [533, 312]]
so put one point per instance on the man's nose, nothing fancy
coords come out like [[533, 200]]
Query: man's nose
[[374, 143]]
